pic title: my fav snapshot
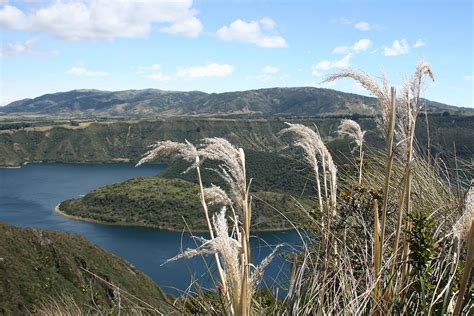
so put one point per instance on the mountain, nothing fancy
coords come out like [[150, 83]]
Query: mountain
[[304, 101], [38, 267]]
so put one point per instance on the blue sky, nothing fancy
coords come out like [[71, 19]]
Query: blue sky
[[216, 46]]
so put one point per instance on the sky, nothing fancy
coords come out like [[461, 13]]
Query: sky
[[217, 45]]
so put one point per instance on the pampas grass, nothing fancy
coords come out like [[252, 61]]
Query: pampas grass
[[352, 129], [387, 109], [352, 262], [239, 277]]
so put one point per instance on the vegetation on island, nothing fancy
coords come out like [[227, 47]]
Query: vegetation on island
[[171, 204]]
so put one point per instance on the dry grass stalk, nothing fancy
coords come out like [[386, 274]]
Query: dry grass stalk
[[381, 92], [388, 109], [232, 252], [232, 170], [409, 109], [352, 129], [377, 256], [314, 151], [189, 153], [468, 270], [464, 231]]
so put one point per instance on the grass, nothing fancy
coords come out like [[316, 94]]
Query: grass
[[354, 264], [397, 239]]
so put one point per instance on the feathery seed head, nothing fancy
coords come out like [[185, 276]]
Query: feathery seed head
[[231, 168], [424, 69], [216, 196], [309, 140], [352, 129], [371, 85], [223, 244], [185, 151]]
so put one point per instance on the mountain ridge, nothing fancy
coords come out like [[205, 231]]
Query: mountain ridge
[[301, 101]]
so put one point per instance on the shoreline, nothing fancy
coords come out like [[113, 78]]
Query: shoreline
[[90, 220], [117, 161]]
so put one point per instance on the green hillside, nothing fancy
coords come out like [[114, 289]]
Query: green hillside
[[112, 141], [37, 265]]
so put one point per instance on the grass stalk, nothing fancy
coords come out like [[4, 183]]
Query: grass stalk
[[211, 231], [377, 257], [468, 270], [361, 163], [389, 162]]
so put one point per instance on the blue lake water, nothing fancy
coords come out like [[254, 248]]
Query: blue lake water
[[29, 194]]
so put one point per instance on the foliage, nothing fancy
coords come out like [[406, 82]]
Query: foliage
[[169, 204], [38, 265]]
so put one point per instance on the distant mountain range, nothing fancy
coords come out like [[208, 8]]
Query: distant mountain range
[[304, 101]]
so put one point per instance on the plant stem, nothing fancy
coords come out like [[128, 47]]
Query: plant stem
[[468, 270], [377, 257], [361, 156], [388, 168], [211, 231]]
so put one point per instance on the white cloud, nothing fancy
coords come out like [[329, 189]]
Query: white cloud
[[419, 43], [252, 32], [268, 23], [270, 73], [270, 70], [359, 46], [325, 65], [18, 48], [399, 47], [468, 77], [77, 20], [209, 70], [81, 71], [341, 50], [158, 76], [190, 26], [11, 17], [363, 26], [155, 67], [155, 75]]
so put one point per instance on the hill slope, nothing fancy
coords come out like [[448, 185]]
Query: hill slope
[[36, 265], [303, 101], [118, 141]]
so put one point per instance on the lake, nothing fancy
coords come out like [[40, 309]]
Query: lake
[[29, 194]]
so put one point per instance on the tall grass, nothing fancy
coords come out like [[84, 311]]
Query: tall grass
[[397, 280], [239, 277], [391, 239]]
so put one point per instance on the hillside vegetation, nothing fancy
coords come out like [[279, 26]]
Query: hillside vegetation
[[302, 101], [126, 140], [37, 266]]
